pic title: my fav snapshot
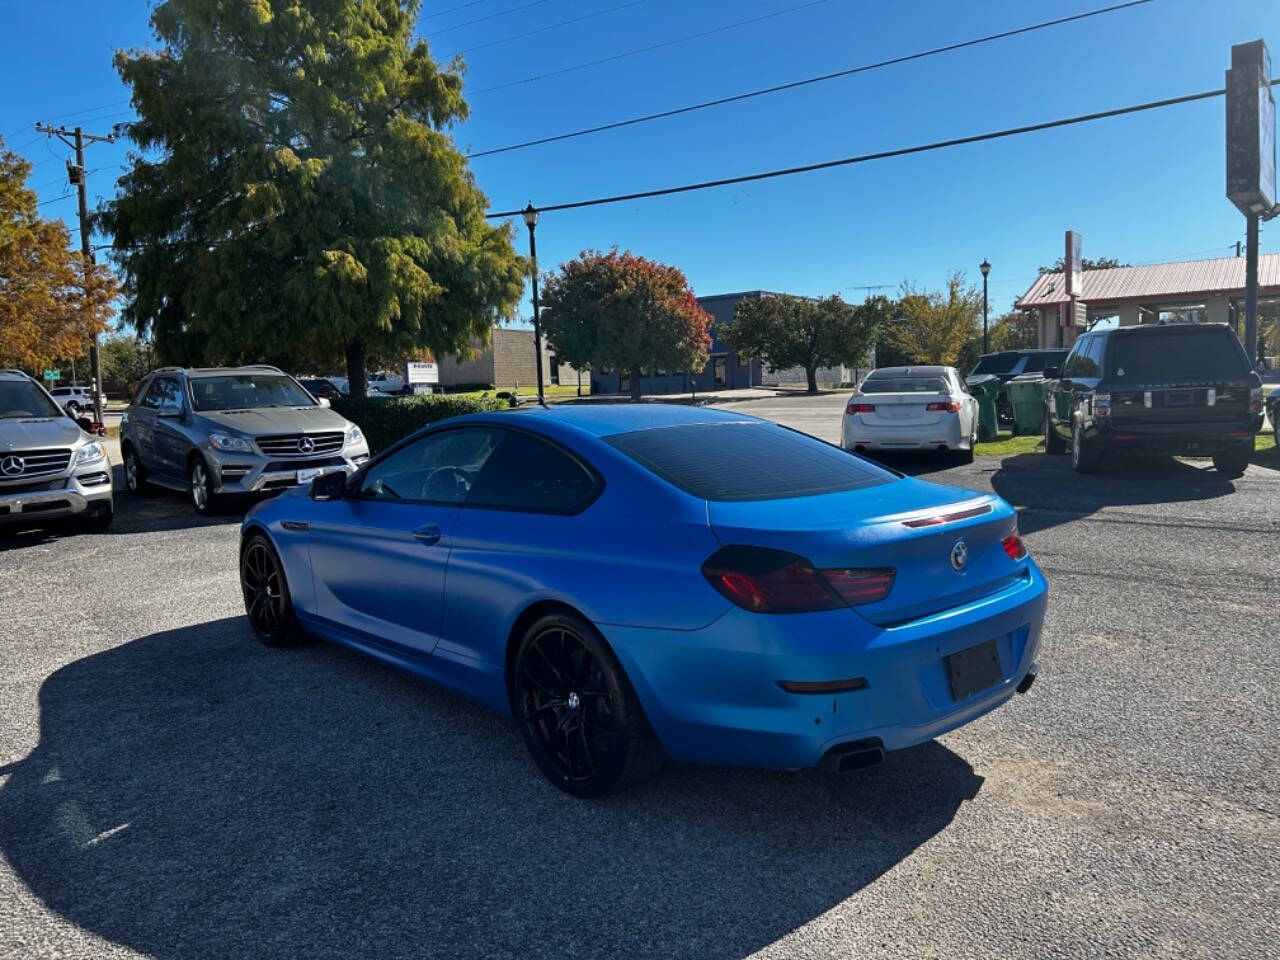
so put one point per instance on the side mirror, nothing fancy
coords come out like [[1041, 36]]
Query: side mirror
[[1052, 373], [323, 401], [170, 414], [329, 486]]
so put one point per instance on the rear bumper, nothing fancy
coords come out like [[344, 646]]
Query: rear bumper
[[712, 695], [71, 496], [1179, 439], [855, 435]]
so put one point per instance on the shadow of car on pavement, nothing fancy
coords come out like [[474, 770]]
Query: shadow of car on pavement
[[1047, 492], [194, 794]]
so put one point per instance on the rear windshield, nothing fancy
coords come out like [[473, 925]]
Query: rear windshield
[[747, 461], [904, 385], [996, 363], [1036, 362], [1175, 356]]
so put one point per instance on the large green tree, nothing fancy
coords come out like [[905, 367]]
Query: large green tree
[[939, 326], [606, 311], [297, 196], [51, 302], [787, 331], [1015, 330]]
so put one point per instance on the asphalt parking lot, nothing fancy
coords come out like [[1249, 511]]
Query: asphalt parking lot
[[169, 788]]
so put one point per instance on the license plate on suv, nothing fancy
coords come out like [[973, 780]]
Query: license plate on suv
[[974, 669]]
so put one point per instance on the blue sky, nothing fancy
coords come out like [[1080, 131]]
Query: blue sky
[[1143, 188]]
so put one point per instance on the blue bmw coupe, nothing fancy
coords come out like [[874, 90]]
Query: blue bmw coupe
[[636, 583]]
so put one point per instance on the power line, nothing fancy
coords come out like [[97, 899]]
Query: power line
[[460, 6], [655, 46], [553, 26], [880, 155], [721, 101], [491, 16]]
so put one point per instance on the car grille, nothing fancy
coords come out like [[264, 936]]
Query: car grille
[[38, 486], [25, 464], [293, 444]]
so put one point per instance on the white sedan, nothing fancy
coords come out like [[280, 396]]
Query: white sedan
[[911, 408]]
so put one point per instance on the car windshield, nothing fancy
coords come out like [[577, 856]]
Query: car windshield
[[995, 363], [747, 461], [903, 385], [246, 390], [20, 399], [1175, 356]]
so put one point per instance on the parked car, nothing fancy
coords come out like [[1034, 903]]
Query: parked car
[[49, 467], [1007, 364], [1184, 388], [73, 399], [911, 408], [1273, 413], [630, 584], [218, 432], [321, 388]]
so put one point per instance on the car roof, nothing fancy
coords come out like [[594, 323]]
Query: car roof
[[603, 420], [14, 375], [1150, 329], [920, 371]]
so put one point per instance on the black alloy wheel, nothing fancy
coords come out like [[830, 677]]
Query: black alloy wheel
[[1052, 442], [135, 474], [578, 715], [266, 594]]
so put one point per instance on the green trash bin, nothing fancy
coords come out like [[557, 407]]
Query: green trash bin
[[985, 388], [1026, 396]]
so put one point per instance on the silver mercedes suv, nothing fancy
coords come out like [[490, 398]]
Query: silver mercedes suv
[[211, 433], [49, 467]]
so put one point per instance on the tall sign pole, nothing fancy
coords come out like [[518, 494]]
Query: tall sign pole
[[76, 174], [1251, 161]]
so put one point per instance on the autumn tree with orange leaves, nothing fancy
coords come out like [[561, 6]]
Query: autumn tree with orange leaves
[[50, 307], [618, 311]]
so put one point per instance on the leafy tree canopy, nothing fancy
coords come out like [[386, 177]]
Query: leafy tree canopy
[[1015, 330], [939, 326], [296, 196], [614, 310], [50, 304], [789, 331], [1102, 263]]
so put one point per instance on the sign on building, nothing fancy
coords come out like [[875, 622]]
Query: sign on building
[[1251, 130], [1072, 265]]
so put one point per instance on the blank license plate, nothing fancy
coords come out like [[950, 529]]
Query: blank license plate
[[974, 669]]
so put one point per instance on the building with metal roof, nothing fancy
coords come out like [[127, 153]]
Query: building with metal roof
[[1194, 290]]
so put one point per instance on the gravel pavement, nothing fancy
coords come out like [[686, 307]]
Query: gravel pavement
[[169, 788]]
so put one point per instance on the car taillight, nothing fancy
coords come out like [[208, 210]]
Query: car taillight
[[1014, 546], [860, 407], [764, 580], [1102, 404], [952, 407], [1255, 400]]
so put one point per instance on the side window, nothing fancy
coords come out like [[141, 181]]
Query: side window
[[156, 394], [1072, 366], [533, 476], [1099, 348], [170, 399], [439, 468], [1086, 367]]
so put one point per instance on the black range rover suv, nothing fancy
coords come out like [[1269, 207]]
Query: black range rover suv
[[1168, 389]]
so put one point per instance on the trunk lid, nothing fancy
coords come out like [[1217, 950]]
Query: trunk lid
[[888, 526], [901, 409]]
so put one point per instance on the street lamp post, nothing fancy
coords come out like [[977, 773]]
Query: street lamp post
[[985, 267], [531, 221]]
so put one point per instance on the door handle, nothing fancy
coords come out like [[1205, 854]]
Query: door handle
[[428, 533]]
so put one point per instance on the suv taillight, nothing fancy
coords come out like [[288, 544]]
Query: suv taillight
[[860, 407], [952, 407], [764, 580], [1255, 400]]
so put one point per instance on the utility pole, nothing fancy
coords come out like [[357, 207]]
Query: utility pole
[[76, 175]]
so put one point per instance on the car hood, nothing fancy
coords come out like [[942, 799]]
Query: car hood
[[35, 432], [264, 421]]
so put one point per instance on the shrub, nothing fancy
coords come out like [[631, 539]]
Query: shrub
[[384, 421]]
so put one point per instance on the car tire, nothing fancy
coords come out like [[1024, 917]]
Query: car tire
[[1053, 443], [268, 604], [1084, 453], [577, 713], [1232, 462], [99, 521], [1275, 423], [964, 456], [200, 487], [135, 474]]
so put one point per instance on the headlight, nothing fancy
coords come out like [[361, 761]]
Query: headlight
[[90, 453], [222, 441], [355, 436]]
